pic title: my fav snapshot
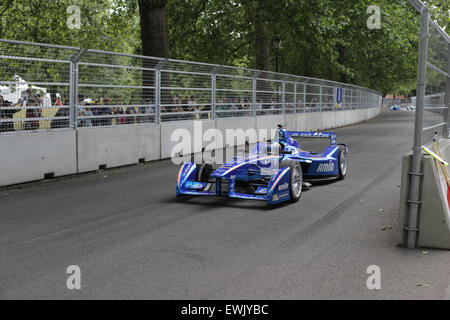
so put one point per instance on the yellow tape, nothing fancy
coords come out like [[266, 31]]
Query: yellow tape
[[435, 156]]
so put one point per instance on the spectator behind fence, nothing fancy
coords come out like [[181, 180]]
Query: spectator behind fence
[[130, 112], [106, 112], [61, 112], [6, 114], [119, 110], [32, 100]]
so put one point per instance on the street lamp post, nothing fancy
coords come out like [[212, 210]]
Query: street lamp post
[[276, 43]]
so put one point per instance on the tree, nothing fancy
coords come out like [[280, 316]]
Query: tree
[[153, 28]]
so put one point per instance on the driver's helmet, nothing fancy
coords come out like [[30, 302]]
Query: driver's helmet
[[280, 135]]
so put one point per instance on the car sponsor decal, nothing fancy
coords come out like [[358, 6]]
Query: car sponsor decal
[[284, 186], [283, 195], [326, 167], [279, 178]]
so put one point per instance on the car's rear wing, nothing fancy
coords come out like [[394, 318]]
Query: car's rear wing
[[323, 135]]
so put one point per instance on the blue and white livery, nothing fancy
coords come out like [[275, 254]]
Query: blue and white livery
[[274, 172]]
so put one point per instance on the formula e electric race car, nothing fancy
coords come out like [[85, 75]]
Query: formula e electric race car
[[275, 172]]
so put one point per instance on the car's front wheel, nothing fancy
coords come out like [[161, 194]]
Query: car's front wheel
[[204, 172], [295, 179], [343, 162]]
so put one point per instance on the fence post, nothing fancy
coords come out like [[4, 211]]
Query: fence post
[[73, 88], [72, 111], [304, 97], [416, 170], [283, 97], [360, 99], [335, 91], [447, 95], [158, 95], [254, 96], [295, 97], [213, 95], [321, 99]]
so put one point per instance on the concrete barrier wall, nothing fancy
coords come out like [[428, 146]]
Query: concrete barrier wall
[[434, 215], [340, 119], [170, 128], [30, 156], [328, 120], [244, 123], [117, 146]]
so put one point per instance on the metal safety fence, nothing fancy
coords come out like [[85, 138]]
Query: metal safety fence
[[433, 103], [49, 87]]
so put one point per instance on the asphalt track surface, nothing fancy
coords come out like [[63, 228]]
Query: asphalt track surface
[[133, 239]]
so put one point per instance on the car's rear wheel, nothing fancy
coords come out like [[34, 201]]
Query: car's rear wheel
[[204, 172], [343, 162], [295, 179]]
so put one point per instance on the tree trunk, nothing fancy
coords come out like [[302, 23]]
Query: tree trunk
[[341, 59], [153, 38], [262, 51], [153, 28]]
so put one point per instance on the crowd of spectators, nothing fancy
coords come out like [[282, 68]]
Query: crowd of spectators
[[32, 101], [106, 112]]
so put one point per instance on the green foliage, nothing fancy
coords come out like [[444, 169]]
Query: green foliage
[[105, 24], [323, 38]]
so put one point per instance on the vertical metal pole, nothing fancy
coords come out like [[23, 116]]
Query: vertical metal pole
[[283, 97], [254, 96], [321, 100], [158, 95], [447, 96], [75, 98], [213, 95], [295, 97], [73, 113], [335, 91], [344, 91], [360, 99], [414, 191], [72, 122], [304, 97]]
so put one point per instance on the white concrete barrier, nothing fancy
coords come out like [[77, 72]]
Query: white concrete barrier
[[314, 121], [340, 118], [302, 122], [290, 120], [328, 120], [244, 123], [28, 157], [117, 146], [168, 128], [352, 117]]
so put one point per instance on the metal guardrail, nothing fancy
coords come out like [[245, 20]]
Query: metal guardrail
[[433, 103], [50, 87]]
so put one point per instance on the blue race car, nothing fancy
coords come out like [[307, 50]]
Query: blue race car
[[274, 172]]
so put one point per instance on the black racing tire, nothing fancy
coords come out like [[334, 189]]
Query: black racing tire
[[204, 172], [343, 162], [295, 179]]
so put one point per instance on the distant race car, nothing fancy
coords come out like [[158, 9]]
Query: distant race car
[[395, 108], [274, 173]]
